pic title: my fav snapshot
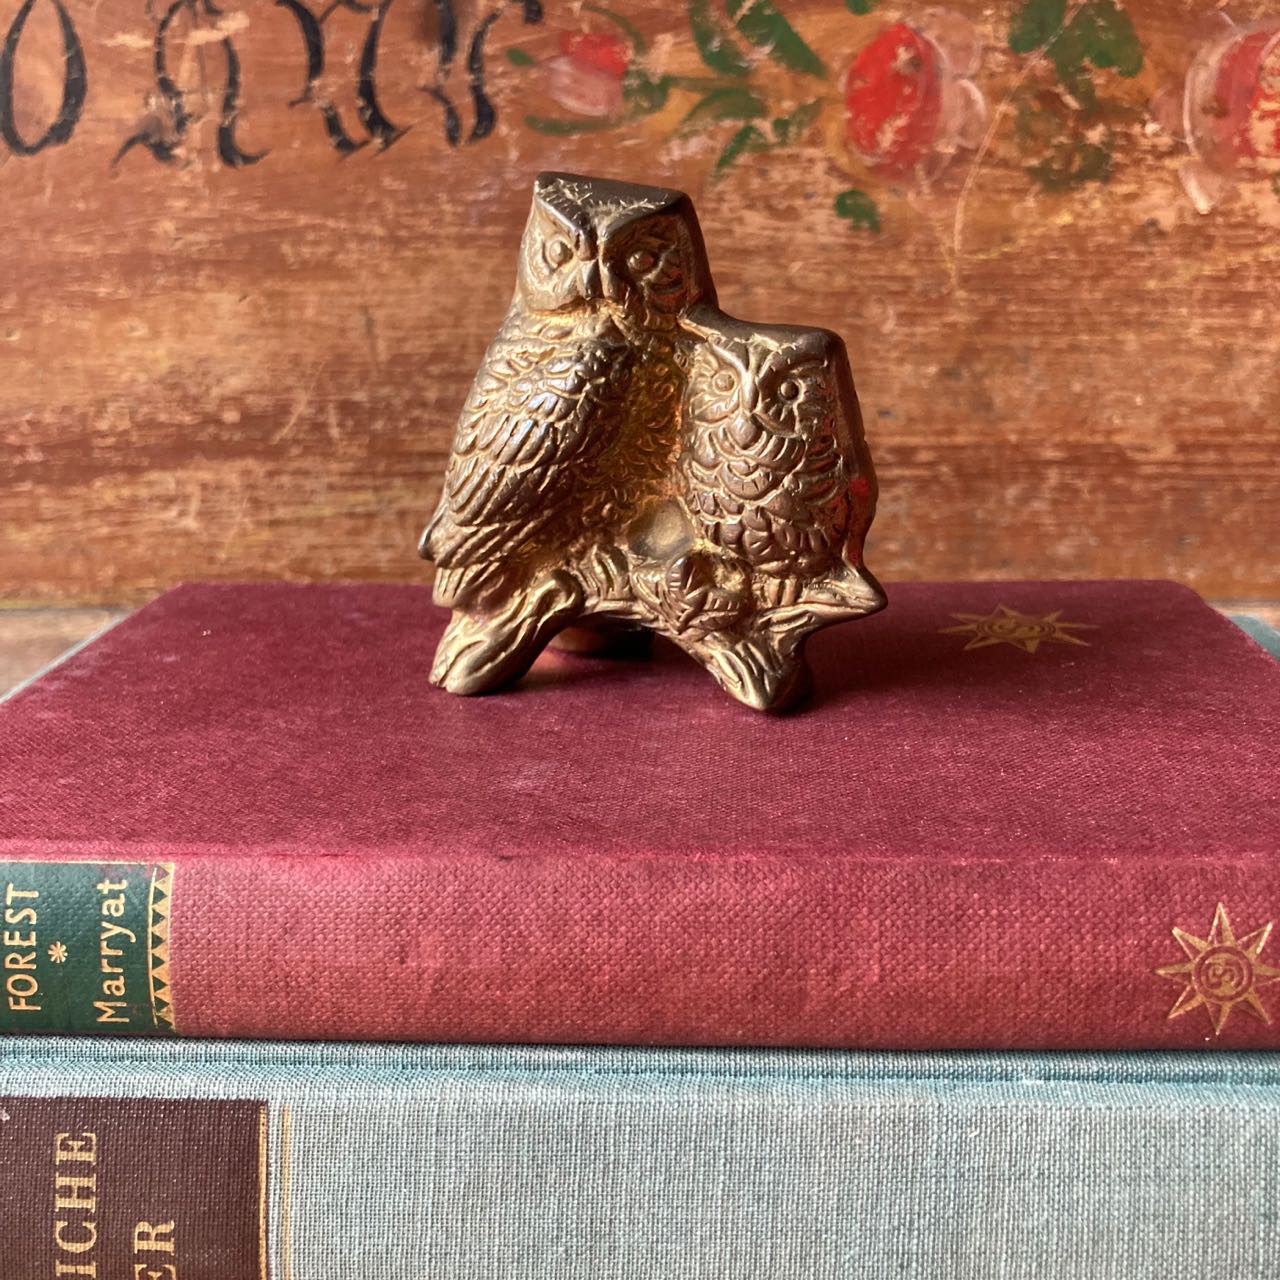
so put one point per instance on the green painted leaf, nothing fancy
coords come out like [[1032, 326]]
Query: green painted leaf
[[519, 58], [554, 127], [858, 209], [697, 84], [1100, 32], [1093, 163], [1107, 37], [1035, 24], [1082, 87], [1034, 127], [625, 25], [860, 7], [645, 93], [1068, 54], [1071, 164], [791, 127], [712, 41], [763, 26], [748, 138], [731, 103]]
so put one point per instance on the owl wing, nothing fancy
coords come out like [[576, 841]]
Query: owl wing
[[544, 403], [776, 498]]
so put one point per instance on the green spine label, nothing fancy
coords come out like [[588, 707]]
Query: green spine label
[[84, 947]]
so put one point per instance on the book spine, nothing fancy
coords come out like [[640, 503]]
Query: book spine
[[188, 1162], [784, 951]]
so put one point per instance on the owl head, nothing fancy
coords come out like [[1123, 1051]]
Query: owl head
[[792, 380], [637, 249]]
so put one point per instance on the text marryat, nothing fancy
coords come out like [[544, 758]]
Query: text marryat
[[114, 1004]]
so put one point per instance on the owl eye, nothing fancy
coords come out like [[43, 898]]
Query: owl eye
[[641, 260], [788, 389], [558, 252], [724, 381]]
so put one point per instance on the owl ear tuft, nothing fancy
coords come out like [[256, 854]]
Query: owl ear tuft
[[703, 322]]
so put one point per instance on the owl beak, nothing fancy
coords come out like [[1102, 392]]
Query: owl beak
[[589, 281]]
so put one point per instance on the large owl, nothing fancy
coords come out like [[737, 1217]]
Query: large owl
[[575, 405], [778, 491]]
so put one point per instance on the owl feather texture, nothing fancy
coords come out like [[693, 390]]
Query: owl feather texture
[[630, 456]]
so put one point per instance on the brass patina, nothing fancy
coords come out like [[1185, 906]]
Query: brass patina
[[631, 456]]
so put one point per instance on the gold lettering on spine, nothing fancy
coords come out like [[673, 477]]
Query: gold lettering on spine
[[114, 904], [85, 1148], [110, 931], [75, 1246], [20, 986], [151, 1237], [75, 1191]]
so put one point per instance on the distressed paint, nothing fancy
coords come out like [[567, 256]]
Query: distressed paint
[[245, 359]]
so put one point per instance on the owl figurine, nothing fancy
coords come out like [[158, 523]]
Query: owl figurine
[[630, 457], [571, 424], [775, 492]]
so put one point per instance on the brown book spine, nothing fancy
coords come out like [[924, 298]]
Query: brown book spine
[[133, 1188]]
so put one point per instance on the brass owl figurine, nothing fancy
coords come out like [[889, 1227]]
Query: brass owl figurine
[[630, 456]]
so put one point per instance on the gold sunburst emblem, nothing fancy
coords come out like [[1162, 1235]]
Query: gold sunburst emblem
[[1025, 631], [1221, 971]]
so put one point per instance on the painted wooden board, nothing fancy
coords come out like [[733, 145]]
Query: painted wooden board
[[31, 639], [254, 253]]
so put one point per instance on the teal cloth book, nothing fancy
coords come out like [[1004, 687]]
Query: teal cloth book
[[190, 1160], [1265, 634]]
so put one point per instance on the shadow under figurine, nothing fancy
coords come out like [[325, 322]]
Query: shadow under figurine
[[631, 456]]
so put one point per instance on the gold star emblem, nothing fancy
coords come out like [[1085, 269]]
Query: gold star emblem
[[1221, 971], [58, 953], [1023, 631]]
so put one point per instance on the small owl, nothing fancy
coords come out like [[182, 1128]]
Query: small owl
[[777, 486], [573, 412]]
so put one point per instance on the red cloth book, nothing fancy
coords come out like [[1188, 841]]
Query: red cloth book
[[1014, 815]]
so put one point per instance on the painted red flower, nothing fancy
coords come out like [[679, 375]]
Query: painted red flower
[[892, 98], [1232, 102], [586, 78], [909, 103], [596, 51]]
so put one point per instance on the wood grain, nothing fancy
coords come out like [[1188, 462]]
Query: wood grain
[[32, 638], [242, 372]]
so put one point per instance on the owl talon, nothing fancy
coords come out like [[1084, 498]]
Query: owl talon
[[480, 654], [849, 593], [760, 673]]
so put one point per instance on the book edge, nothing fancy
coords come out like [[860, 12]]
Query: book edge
[[391, 1061], [1259, 631], [64, 657]]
